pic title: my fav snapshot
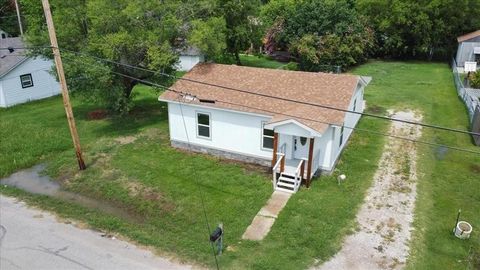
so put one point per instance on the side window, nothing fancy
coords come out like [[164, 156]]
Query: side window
[[26, 80], [203, 125], [355, 105], [267, 137], [341, 137]]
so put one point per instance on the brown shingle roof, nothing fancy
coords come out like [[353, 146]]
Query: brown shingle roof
[[468, 36], [9, 60], [321, 88]]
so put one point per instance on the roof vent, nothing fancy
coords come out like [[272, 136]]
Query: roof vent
[[11, 49], [207, 101]]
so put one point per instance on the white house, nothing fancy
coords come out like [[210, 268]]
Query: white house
[[24, 78], [468, 50], [189, 57], [262, 116], [3, 34]]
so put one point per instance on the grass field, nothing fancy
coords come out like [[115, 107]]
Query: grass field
[[131, 165], [260, 61], [447, 182]]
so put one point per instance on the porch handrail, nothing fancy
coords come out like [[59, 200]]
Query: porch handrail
[[299, 174], [279, 161], [274, 170], [282, 148]]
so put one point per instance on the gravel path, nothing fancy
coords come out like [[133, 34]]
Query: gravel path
[[385, 219]]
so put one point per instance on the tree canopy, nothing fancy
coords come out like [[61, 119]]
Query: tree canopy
[[321, 33], [422, 29]]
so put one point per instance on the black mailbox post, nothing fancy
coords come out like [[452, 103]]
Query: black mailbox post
[[217, 237]]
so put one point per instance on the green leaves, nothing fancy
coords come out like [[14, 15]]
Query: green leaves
[[321, 33], [209, 36]]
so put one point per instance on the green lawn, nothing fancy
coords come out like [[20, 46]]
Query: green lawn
[[260, 61], [159, 184], [446, 183]]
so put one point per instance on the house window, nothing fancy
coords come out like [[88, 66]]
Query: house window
[[203, 125], [26, 80], [341, 137], [267, 137], [355, 105], [4, 36]]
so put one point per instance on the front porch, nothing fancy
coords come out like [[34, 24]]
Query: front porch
[[296, 157]]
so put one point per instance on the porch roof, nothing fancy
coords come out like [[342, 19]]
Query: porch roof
[[335, 90]]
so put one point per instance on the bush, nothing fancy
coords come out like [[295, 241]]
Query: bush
[[475, 79]]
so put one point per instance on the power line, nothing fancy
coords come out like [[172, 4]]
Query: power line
[[280, 98], [202, 196], [432, 144]]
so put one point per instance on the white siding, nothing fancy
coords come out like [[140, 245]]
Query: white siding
[[465, 52], [351, 120], [44, 84], [187, 62], [230, 131], [241, 133], [2, 97]]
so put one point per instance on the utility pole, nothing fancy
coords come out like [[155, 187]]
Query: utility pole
[[63, 83], [18, 17]]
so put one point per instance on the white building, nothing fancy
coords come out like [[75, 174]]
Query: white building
[[3, 34], [468, 50], [24, 78], [247, 114], [188, 58]]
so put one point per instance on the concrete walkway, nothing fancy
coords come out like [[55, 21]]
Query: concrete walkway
[[263, 221], [34, 239]]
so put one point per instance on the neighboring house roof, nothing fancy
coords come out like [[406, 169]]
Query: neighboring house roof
[[9, 60], [334, 90], [468, 36]]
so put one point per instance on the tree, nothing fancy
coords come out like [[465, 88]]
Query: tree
[[419, 28], [321, 33], [209, 36], [135, 32], [242, 23], [8, 18]]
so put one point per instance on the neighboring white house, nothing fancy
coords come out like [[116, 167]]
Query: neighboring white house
[[24, 78], [189, 57], [468, 50], [249, 116], [3, 34]]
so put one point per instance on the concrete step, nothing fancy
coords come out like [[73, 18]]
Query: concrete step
[[284, 190]]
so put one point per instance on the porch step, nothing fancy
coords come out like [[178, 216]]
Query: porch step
[[286, 180], [288, 175], [284, 190]]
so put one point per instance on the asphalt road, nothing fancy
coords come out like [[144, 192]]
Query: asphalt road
[[34, 239]]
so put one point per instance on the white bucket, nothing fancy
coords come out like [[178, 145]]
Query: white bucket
[[463, 230]]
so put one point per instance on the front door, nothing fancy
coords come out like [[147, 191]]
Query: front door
[[300, 147]]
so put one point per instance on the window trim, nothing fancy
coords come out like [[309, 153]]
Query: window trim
[[197, 113], [262, 136], [341, 136], [31, 80]]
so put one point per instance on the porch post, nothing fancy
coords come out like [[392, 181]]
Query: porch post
[[275, 148], [310, 157]]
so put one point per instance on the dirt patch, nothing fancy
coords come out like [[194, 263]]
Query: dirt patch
[[475, 168], [97, 115], [385, 219], [126, 140], [375, 109]]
